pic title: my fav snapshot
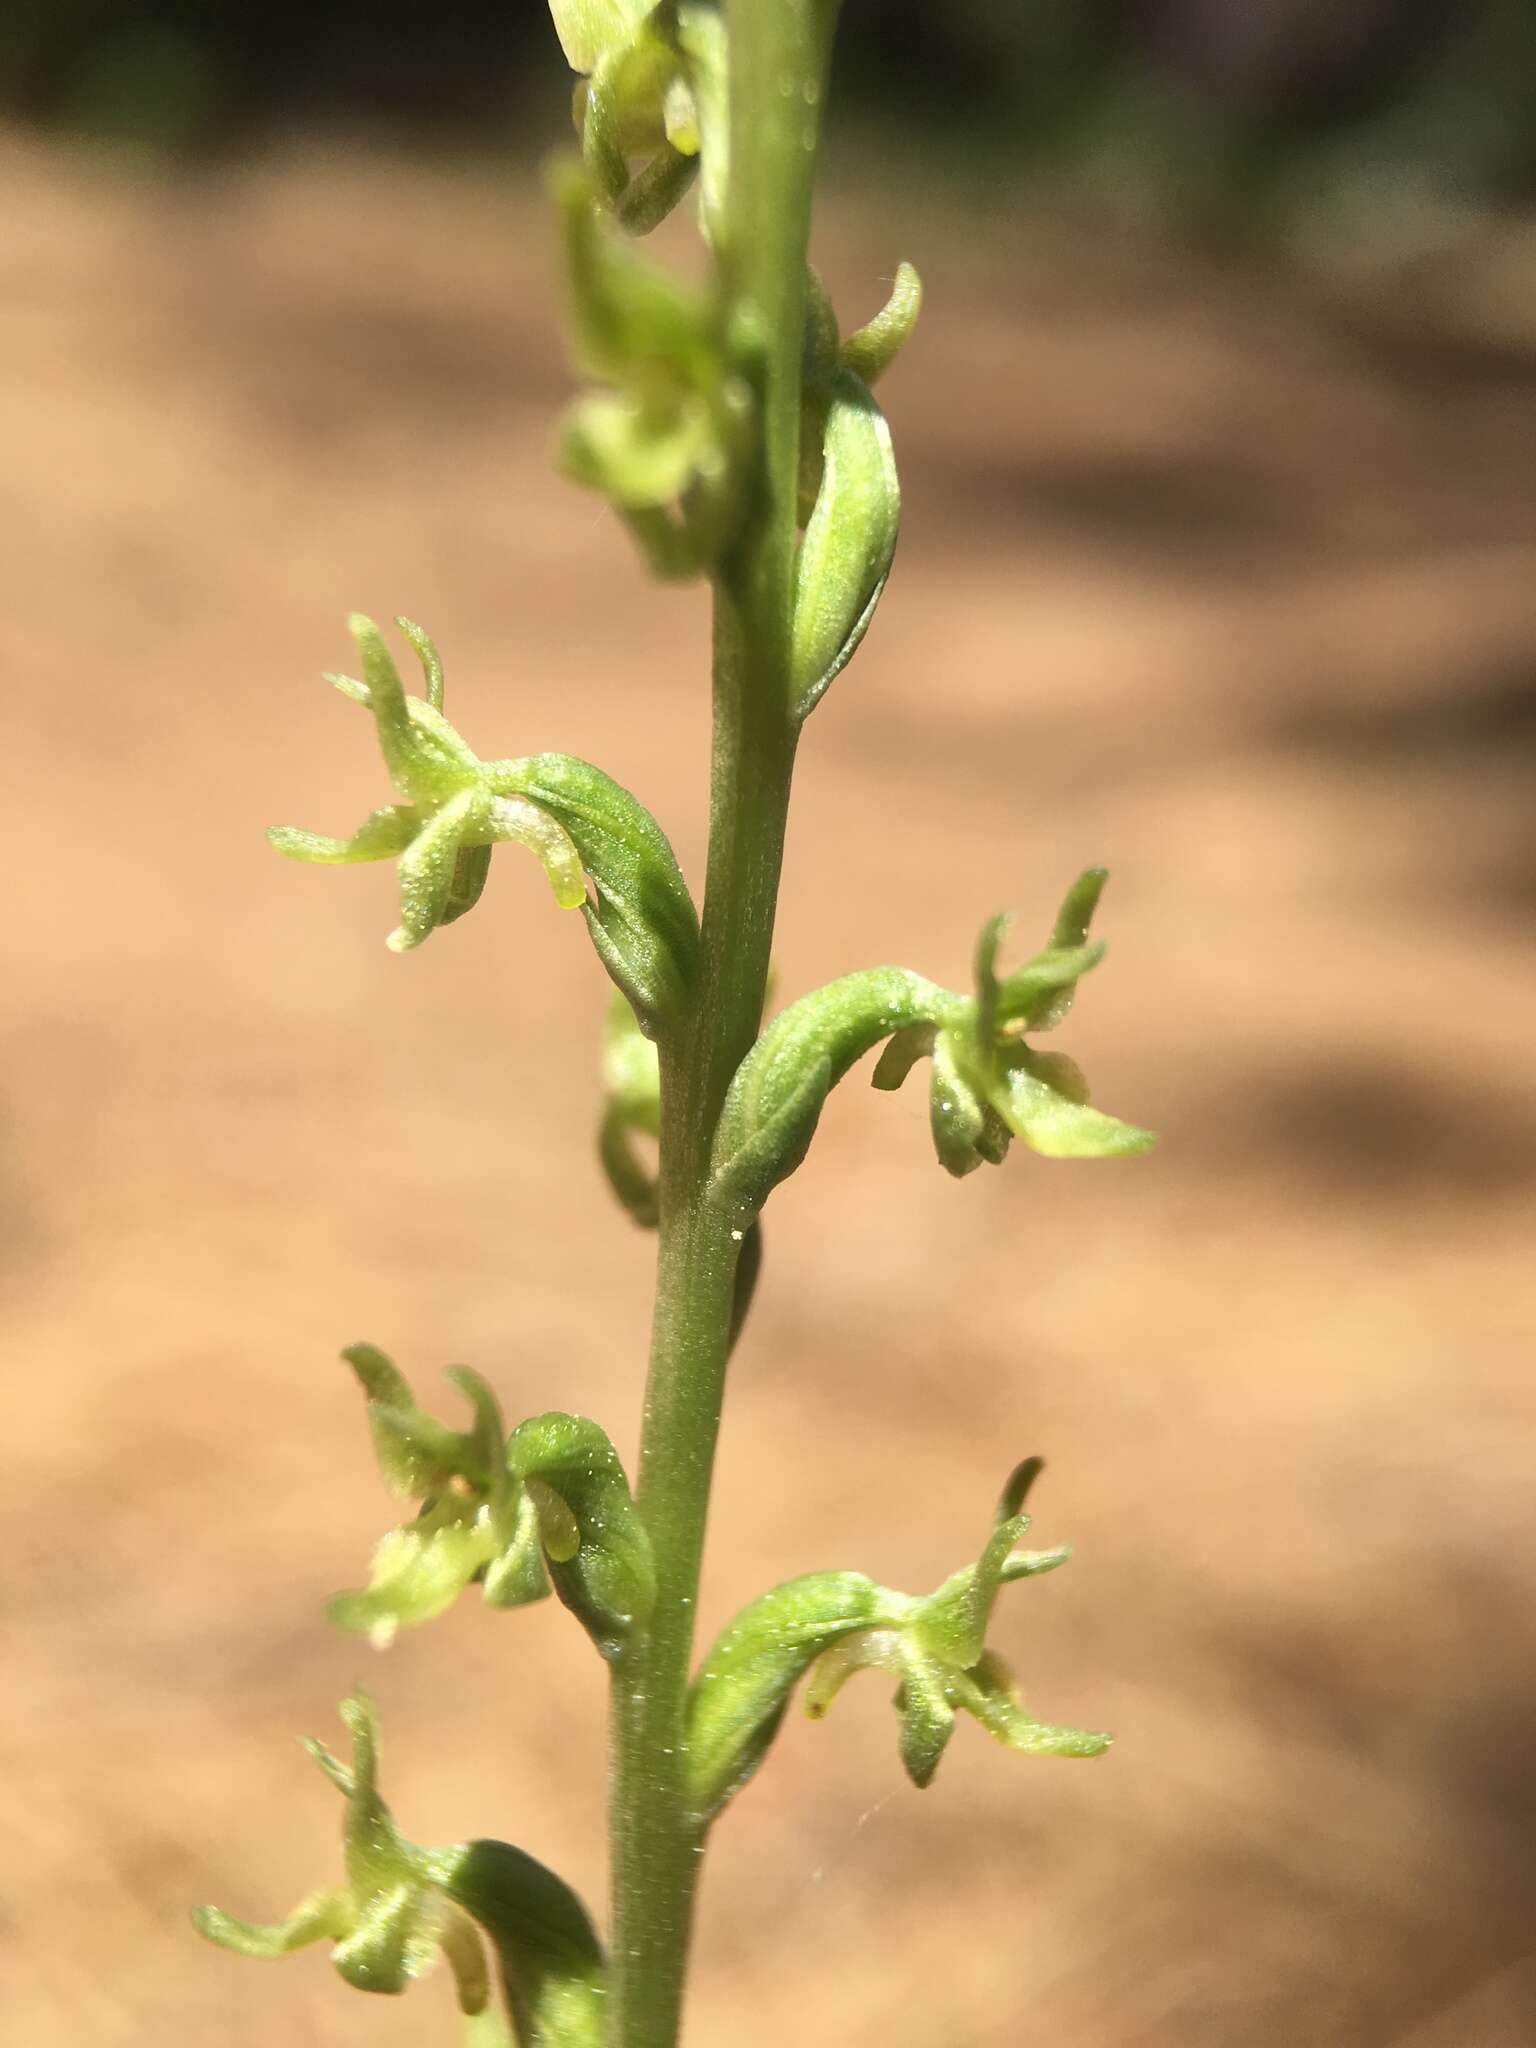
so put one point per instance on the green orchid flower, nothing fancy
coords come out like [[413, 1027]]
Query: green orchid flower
[[545, 1509], [519, 1942], [831, 1624], [391, 1919], [990, 1085], [667, 437], [935, 1647], [456, 807], [476, 1522]]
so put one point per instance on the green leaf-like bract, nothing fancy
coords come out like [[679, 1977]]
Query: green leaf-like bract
[[603, 1571], [644, 924], [401, 1907], [850, 539], [831, 1624], [552, 1966]]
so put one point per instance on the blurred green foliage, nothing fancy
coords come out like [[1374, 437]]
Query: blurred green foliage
[[1201, 108]]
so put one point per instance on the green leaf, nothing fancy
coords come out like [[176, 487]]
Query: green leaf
[[845, 555], [643, 924], [775, 1098], [607, 1580]]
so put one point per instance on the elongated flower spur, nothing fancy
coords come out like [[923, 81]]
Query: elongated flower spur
[[457, 807]]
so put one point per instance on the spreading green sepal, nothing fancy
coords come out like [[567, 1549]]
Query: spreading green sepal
[[402, 1907], [775, 1098], [643, 922], [454, 813], [476, 1521], [595, 1543], [667, 442], [831, 1624], [631, 1110], [550, 1502]]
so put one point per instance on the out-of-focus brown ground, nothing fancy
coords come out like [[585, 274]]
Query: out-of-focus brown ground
[[1195, 581]]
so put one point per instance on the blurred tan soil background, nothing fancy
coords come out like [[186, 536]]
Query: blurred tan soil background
[[1217, 568]]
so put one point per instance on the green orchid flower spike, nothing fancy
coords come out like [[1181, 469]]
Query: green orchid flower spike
[[828, 1625], [732, 425], [457, 807], [402, 1908]]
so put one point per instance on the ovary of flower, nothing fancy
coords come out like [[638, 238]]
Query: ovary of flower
[[457, 807]]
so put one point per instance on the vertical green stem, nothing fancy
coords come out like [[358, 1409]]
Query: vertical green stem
[[779, 52]]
